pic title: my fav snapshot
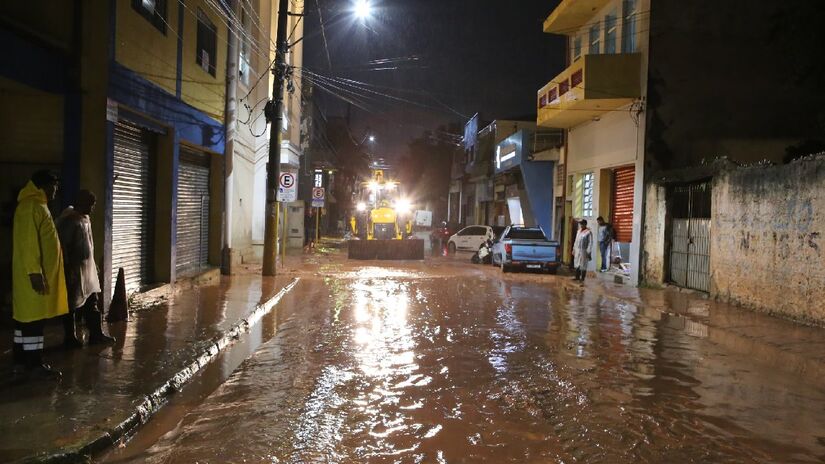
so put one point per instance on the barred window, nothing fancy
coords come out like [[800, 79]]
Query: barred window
[[587, 195]]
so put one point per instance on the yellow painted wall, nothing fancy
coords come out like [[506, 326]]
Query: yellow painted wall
[[200, 89], [141, 47], [34, 135]]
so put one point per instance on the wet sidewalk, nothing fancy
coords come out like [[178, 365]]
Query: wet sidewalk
[[107, 388], [775, 342]]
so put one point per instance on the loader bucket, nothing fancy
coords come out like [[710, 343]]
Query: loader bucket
[[385, 249]]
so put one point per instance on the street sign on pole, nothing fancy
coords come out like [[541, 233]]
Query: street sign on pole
[[318, 196], [287, 187]]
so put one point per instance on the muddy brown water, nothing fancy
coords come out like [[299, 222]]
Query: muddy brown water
[[453, 364]]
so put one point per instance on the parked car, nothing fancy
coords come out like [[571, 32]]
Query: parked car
[[526, 248], [470, 238]]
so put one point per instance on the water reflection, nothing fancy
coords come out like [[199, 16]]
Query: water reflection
[[397, 367]]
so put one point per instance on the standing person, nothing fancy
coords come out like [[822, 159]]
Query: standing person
[[605, 242], [39, 286], [581, 251], [82, 284], [309, 229]]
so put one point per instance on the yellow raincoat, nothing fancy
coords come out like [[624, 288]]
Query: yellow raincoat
[[36, 251]]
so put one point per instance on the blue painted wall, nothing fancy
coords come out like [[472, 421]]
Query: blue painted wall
[[538, 181], [537, 176], [192, 125]]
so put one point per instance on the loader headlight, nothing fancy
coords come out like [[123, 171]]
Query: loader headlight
[[361, 206], [403, 206]]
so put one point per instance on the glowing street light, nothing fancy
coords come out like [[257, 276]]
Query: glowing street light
[[363, 9], [372, 138]]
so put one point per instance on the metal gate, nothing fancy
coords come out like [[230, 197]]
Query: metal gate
[[690, 238], [622, 207], [133, 205], [192, 233]]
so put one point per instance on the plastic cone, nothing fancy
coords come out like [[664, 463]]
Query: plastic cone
[[119, 307]]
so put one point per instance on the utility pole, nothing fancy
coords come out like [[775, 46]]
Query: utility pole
[[273, 167], [229, 151]]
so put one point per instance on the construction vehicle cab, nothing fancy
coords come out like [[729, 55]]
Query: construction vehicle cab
[[383, 222]]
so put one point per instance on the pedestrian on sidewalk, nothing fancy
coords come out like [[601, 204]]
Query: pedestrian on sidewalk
[[605, 243], [39, 286], [581, 251], [74, 227], [309, 229]]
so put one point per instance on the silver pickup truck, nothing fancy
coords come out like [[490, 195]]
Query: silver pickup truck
[[526, 248]]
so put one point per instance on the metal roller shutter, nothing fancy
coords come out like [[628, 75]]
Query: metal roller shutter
[[192, 234], [622, 207], [133, 205]]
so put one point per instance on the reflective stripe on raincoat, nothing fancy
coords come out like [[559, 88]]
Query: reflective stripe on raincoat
[[36, 251]]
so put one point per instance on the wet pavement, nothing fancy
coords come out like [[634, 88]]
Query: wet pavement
[[102, 386], [444, 361]]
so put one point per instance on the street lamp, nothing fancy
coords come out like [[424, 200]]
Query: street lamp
[[274, 115], [363, 9], [372, 138]]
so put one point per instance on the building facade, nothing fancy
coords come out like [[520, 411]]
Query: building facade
[[129, 100], [598, 100], [250, 131], [472, 189]]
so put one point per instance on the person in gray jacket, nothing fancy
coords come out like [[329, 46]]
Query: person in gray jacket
[[82, 284]]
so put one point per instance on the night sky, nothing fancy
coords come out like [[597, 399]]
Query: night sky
[[439, 61]]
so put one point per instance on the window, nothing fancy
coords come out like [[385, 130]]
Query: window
[[244, 60], [587, 195], [153, 10], [207, 45], [629, 26], [478, 231], [610, 25], [526, 234], [595, 39], [577, 47]]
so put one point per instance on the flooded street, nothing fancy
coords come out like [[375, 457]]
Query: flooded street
[[450, 362]]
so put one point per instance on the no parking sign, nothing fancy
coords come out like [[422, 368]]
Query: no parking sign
[[287, 187], [318, 196]]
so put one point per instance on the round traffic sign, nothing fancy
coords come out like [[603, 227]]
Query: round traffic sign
[[287, 180], [318, 193]]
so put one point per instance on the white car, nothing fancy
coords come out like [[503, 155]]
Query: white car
[[470, 238]]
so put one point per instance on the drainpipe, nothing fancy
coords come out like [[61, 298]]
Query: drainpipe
[[231, 117]]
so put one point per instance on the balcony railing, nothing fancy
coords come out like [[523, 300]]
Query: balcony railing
[[570, 15], [591, 86]]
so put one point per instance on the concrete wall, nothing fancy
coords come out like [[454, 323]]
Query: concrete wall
[[653, 260], [767, 240]]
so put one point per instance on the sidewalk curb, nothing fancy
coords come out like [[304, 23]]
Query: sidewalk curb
[[157, 399]]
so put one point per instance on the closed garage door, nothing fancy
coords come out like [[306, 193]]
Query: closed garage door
[[133, 205], [192, 234], [622, 206]]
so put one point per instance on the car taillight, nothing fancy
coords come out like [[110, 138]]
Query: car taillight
[[508, 248]]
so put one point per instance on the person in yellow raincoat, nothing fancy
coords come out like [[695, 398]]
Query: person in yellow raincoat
[[38, 282]]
